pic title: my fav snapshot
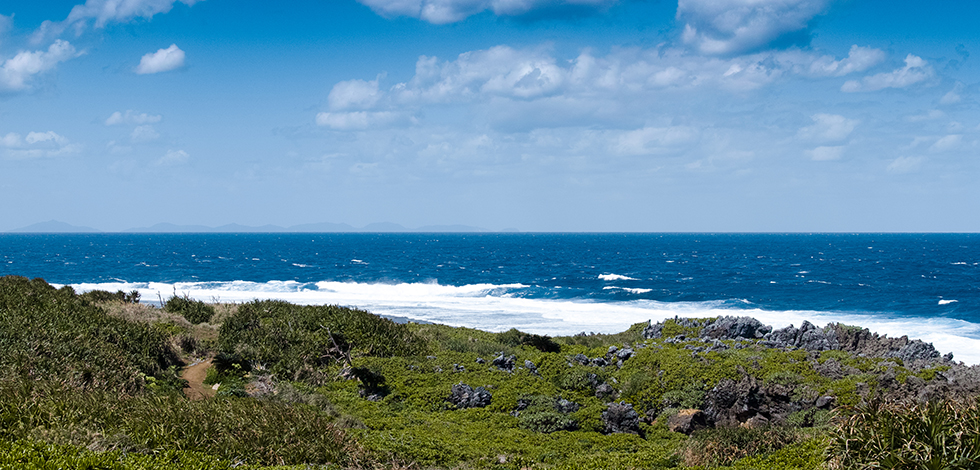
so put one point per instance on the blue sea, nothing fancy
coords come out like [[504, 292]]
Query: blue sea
[[925, 286]]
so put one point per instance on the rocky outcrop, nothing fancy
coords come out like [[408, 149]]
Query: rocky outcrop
[[808, 336]]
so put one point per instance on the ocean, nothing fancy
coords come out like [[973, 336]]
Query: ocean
[[926, 286]]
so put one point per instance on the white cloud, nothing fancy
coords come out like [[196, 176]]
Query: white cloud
[[653, 140], [828, 128], [144, 133], [824, 153], [49, 136], [162, 60], [16, 72], [451, 11], [131, 117], [916, 70], [721, 27], [37, 145], [11, 140], [904, 164], [102, 12], [174, 157], [360, 120], [858, 59], [953, 96], [354, 94], [6, 22], [947, 143]]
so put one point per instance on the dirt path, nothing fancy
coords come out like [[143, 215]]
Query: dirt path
[[194, 375]]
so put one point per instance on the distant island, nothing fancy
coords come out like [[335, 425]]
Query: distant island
[[54, 226]]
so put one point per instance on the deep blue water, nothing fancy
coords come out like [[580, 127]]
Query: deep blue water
[[876, 276]]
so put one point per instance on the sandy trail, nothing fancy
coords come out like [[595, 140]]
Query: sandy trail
[[194, 375]]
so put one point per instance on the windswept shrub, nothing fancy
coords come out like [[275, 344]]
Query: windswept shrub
[[295, 341], [194, 311], [52, 334], [102, 296], [933, 435], [515, 337]]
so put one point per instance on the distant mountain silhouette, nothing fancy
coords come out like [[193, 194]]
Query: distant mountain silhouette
[[54, 226]]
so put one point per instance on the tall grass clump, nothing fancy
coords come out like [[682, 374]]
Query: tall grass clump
[[195, 311], [55, 335], [928, 436]]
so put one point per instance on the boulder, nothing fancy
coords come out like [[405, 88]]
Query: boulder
[[464, 396], [687, 421], [621, 418]]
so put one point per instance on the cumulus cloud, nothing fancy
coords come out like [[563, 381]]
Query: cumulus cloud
[[916, 70], [17, 72], [825, 153], [103, 12], [953, 96], [174, 157], [162, 60], [451, 11], [131, 117], [828, 128], [723, 27], [354, 94], [37, 145]]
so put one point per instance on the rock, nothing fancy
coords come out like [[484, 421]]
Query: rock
[[728, 327], [916, 350], [604, 391], [654, 331], [581, 359], [599, 362], [481, 360], [621, 418], [612, 350], [504, 363], [756, 422], [530, 366], [624, 354], [566, 406], [464, 396], [687, 421], [825, 402]]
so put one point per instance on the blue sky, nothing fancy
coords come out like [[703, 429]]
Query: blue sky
[[540, 115]]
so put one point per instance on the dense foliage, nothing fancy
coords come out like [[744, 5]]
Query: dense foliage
[[90, 381]]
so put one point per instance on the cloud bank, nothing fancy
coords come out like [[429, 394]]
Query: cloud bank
[[451, 11]]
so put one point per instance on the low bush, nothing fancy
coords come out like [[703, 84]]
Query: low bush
[[195, 311]]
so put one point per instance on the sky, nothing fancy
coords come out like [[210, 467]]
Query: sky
[[536, 115]]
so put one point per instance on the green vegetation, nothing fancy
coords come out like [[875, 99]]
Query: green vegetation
[[92, 381]]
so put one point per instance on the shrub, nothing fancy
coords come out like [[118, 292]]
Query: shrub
[[195, 311], [724, 446], [101, 296]]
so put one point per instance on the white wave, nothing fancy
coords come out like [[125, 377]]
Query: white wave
[[616, 277], [628, 289], [495, 307], [945, 302], [960, 263], [298, 265]]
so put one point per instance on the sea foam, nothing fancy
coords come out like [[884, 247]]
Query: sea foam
[[498, 307]]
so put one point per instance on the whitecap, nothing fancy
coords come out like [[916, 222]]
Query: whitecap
[[946, 302], [616, 277]]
